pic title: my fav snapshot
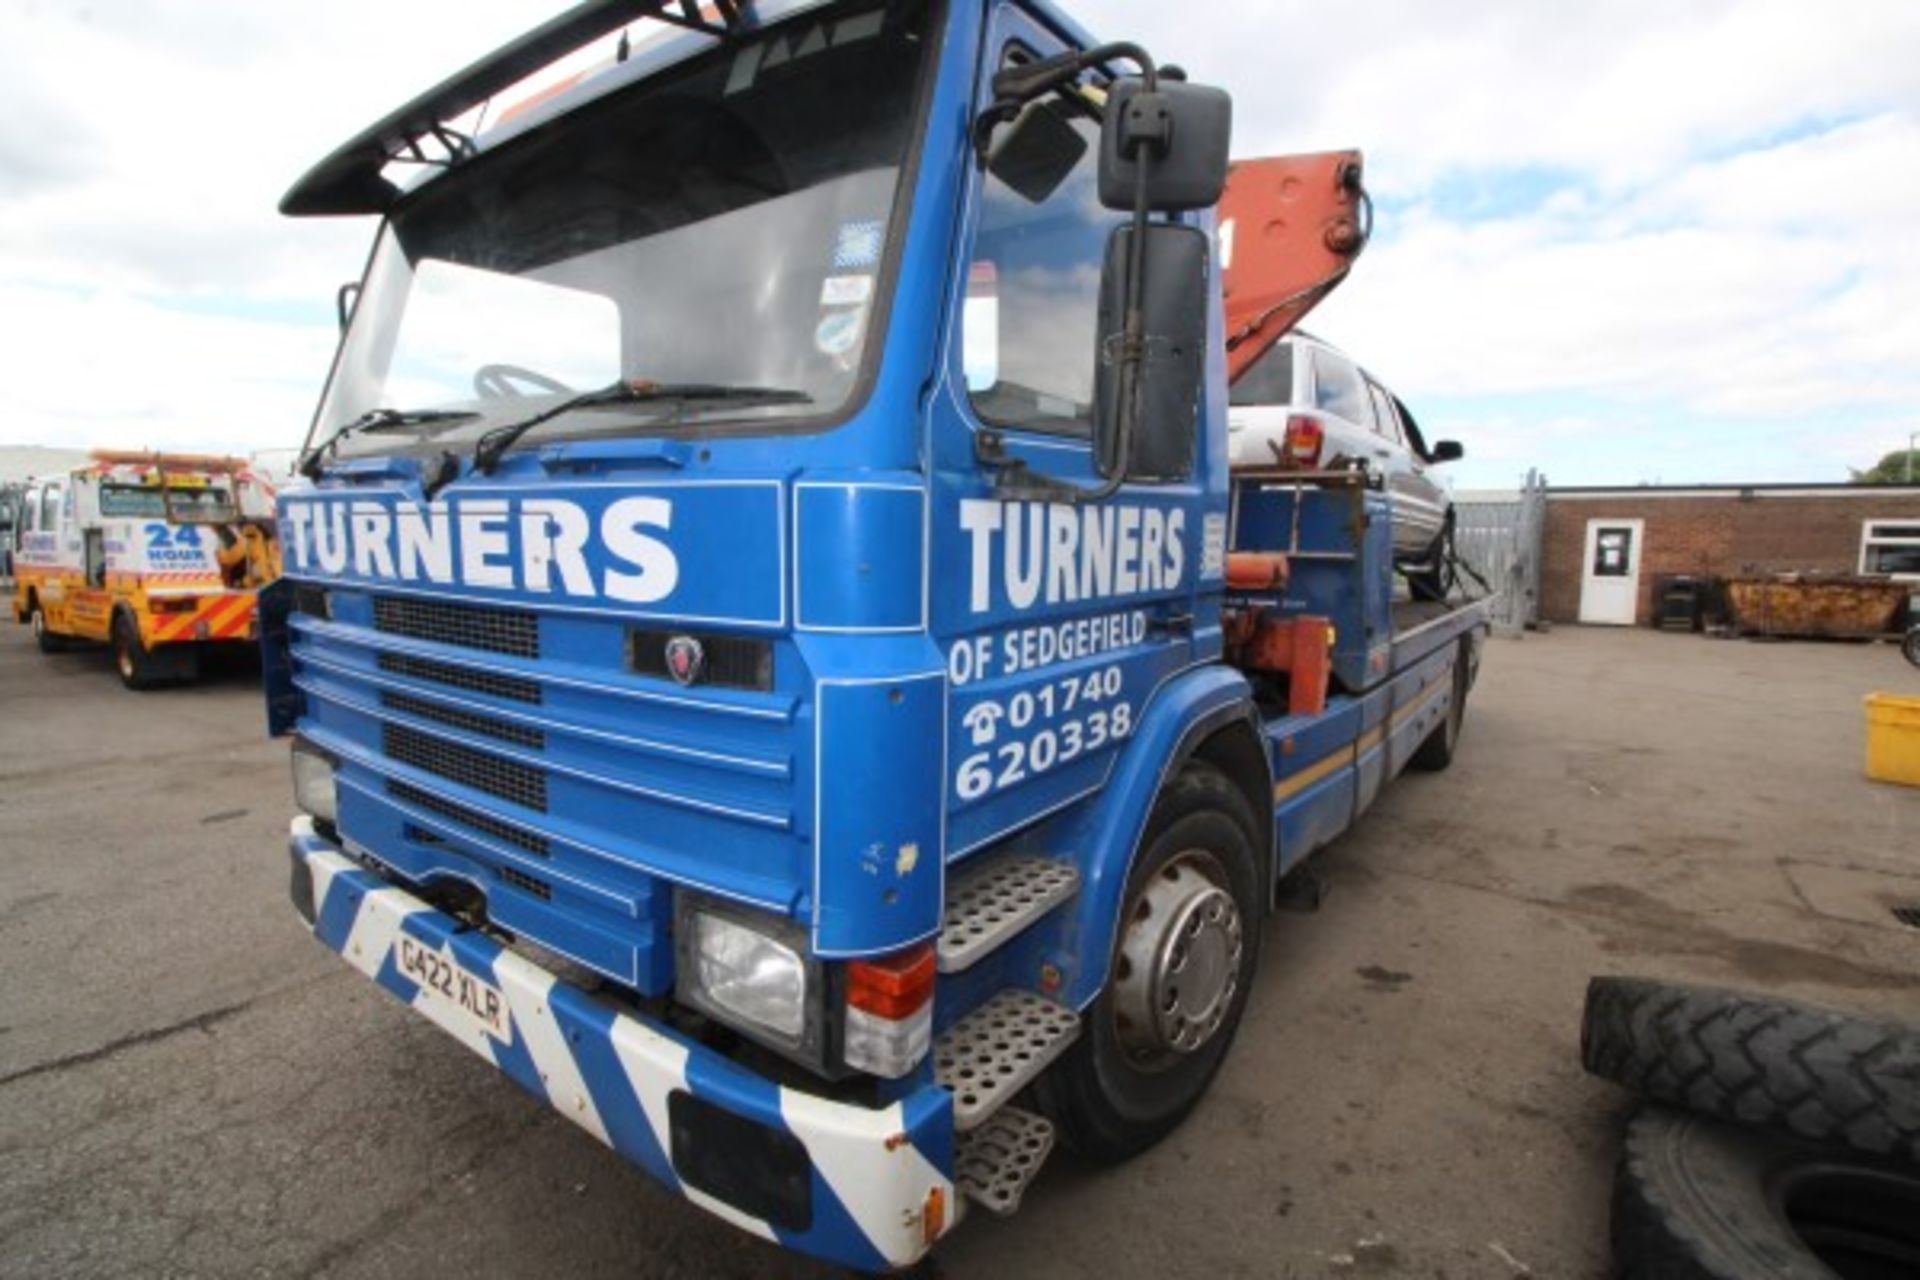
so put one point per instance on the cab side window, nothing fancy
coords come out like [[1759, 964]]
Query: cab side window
[[30, 511], [1337, 389], [49, 509], [1033, 294]]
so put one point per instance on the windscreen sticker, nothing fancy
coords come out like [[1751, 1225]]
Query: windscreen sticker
[[839, 330], [858, 245], [845, 291]]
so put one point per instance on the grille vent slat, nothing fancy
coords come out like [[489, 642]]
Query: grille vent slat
[[512, 688], [515, 632], [506, 731], [525, 883], [507, 779], [503, 831]]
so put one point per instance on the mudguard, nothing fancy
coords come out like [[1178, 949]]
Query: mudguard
[[1184, 712]]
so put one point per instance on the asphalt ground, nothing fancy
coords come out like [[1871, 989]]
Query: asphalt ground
[[189, 1085]]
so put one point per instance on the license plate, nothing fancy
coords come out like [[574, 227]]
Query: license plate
[[451, 986]]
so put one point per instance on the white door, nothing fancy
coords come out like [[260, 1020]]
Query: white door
[[1610, 583]]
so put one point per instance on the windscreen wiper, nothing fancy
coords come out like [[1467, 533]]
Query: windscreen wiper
[[639, 391], [376, 420]]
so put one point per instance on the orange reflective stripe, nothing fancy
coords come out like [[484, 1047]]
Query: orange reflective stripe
[[231, 618]]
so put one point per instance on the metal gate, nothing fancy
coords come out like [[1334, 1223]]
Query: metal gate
[[1500, 538]]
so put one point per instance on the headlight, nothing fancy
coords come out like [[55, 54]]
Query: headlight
[[745, 976], [313, 786]]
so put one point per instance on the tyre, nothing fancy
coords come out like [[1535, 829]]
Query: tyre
[[138, 666], [1436, 752], [1911, 646], [1811, 1071], [1188, 946], [1695, 1199], [44, 636]]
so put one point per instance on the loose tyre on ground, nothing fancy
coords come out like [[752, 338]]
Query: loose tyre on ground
[[1818, 1073], [1188, 946], [1695, 1199]]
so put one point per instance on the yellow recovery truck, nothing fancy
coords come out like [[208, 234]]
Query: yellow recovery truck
[[158, 555]]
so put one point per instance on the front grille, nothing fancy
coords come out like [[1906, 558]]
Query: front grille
[[505, 831], [312, 601], [735, 662], [527, 884], [513, 688], [508, 779], [510, 631], [519, 735]]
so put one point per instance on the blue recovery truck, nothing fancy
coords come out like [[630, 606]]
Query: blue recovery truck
[[776, 660]]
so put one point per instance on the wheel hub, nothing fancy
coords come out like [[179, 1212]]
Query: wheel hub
[[1179, 963]]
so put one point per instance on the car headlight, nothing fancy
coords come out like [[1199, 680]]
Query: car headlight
[[313, 784]]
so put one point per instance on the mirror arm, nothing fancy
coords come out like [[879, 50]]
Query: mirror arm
[[1013, 89]]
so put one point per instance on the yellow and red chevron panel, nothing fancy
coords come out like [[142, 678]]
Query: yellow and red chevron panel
[[228, 616]]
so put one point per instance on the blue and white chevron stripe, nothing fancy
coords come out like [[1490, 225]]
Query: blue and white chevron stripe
[[873, 1172]]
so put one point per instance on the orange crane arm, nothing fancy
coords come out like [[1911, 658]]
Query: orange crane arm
[[1290, 228]]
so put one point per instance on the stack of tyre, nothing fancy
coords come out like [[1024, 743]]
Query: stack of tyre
[[1775, 1141]]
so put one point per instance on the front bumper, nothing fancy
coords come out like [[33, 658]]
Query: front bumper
[[871, 1189]]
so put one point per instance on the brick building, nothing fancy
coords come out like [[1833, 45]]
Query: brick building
[[1616, 542]]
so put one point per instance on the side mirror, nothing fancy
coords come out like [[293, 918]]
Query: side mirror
[[1185, 127], [1173, 311], [1446, 451], [345, 300], [1035, 155]]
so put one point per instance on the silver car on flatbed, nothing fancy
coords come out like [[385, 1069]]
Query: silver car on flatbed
[[1305, 404]]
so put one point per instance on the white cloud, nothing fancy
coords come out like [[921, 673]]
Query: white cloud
[[1695, 214]]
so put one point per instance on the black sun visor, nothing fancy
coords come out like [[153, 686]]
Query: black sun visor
[[352, 179]]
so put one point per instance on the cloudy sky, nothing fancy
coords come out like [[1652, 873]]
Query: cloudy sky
[[1618, 241]]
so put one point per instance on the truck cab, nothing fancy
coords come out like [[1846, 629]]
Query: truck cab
[[754, 616]]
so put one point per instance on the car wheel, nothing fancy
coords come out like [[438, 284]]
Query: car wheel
[[1185, 955], [1911, 646], [1698, 1200]]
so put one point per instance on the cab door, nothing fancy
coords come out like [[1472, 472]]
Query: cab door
[[1058, 620]]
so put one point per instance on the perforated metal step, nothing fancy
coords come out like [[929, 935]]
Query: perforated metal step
[[989, 903], [994, 1164], [997, 1050]]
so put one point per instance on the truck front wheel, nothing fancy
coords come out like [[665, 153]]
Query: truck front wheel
[[1188, 945]]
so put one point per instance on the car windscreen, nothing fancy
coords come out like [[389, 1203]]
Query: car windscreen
[[720, 225]]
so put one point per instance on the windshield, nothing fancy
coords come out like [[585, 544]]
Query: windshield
[[132, 502], [721, 224], [211, 504]]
